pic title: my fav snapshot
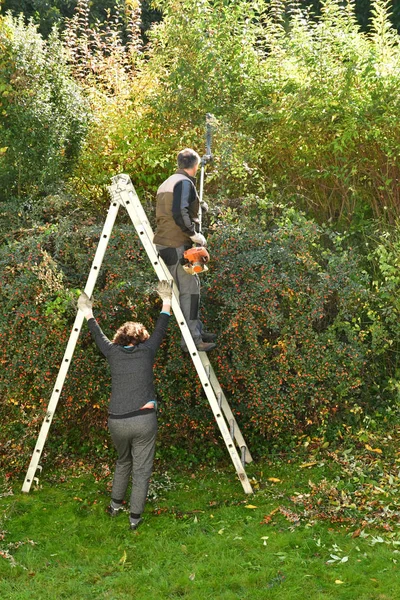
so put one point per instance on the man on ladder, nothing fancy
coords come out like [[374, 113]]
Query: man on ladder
[[177, 210]]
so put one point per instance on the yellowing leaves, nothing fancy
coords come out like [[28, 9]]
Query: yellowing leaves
[[377, 450]]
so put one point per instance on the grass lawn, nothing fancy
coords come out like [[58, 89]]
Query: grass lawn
[[299, 536]]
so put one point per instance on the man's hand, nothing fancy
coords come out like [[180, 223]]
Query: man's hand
[[164, 290], [198, 238], [85, 304], [204, 206]]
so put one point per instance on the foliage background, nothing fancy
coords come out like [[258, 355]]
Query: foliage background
[[43, 117], [49, 13], [303, 190]]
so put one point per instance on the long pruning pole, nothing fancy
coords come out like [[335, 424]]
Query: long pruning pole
[[206, 158]]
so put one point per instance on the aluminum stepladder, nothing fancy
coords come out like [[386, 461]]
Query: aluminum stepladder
[[123, 194]]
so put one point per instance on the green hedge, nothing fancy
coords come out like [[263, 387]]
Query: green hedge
[[288, 302], [43, 114]]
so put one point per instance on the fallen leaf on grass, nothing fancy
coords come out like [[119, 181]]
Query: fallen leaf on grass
[[289, 515], [192, 576], [309, 464], [377, 540], [267, 518], [274, 479], [378, 490], [377, 450], [255, 483], [338, 581], [250, 506], [337, 559]]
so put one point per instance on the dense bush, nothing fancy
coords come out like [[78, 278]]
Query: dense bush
[[305, 110], [170, 96], [288, 302], [49, 13], [295, 348], [327, 131], [384, 309], [43, 116], [303, 106]]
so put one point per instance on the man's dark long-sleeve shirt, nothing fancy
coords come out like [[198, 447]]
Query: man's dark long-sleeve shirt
[[132, 381], [185, 206]]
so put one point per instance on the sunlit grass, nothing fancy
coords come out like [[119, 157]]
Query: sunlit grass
[[202, 538]]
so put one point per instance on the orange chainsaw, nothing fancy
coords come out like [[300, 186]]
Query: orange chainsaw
[[196, 258]]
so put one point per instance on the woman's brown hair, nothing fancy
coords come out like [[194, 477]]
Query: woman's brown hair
[[130, 333]]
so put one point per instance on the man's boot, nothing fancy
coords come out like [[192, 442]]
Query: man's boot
[[208, 336], [201, 346], [205, 346]]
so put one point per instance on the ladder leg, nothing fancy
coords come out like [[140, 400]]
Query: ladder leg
[[223, 427], [68, 354], [226, 409]]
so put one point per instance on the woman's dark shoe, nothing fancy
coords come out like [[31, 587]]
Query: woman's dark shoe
[[114, 509], [134, 523]]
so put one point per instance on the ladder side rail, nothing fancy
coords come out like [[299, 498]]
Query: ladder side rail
[[145, 235], [162, 272], [218, 415], [123, 190], [225, 406], [70, 348]]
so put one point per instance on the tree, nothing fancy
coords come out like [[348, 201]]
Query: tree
[[49, 13], [44, 116]]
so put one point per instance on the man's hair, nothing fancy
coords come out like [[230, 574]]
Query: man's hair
[[188, 158], [130, 333]]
